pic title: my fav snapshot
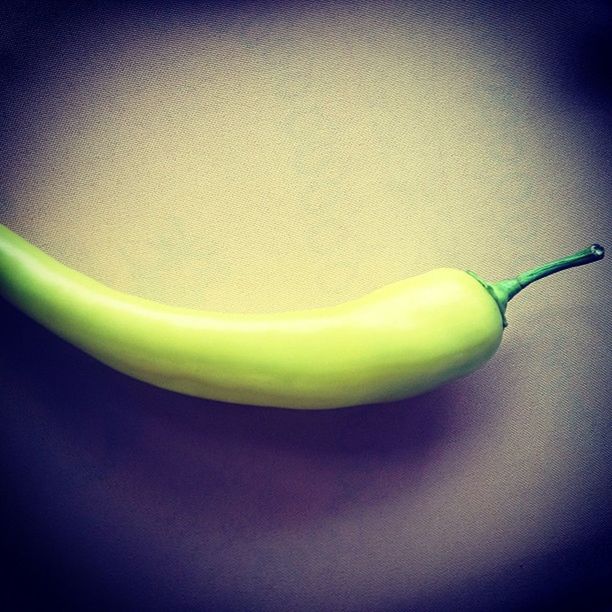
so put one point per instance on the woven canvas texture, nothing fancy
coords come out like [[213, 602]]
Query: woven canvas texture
[[278, 159]]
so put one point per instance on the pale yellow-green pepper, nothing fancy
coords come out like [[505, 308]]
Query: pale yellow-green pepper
[[398, 341]]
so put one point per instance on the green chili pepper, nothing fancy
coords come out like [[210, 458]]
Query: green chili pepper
[[398, 341]]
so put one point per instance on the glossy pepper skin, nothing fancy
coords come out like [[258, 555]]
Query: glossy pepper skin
[[398, 341]]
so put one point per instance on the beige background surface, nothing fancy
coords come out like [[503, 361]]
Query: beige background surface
[[285, 159]]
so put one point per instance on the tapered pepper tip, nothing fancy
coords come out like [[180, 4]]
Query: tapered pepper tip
[[598, 251]]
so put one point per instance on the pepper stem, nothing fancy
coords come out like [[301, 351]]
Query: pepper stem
[[503, 291]]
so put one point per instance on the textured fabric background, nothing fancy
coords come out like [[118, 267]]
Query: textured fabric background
[[268, 157]]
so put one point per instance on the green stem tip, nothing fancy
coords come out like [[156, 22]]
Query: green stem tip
[[503, 291]]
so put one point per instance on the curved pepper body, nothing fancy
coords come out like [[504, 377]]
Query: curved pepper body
[[398, 341]]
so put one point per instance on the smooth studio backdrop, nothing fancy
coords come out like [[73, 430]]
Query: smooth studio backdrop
[[280, 156]]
